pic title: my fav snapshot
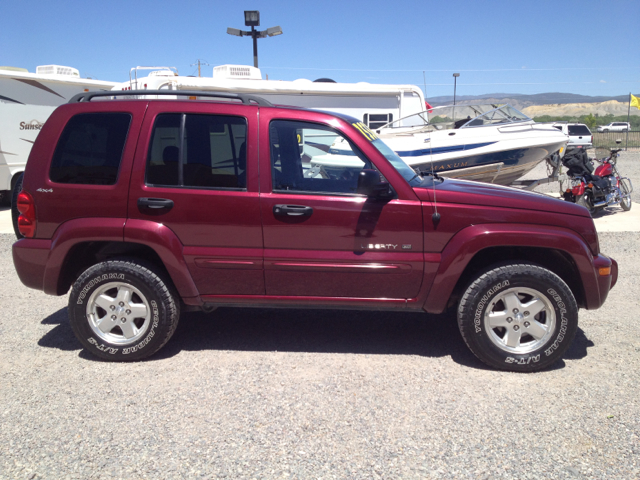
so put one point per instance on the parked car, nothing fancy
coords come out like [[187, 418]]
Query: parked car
[[146, 208], [579, 134], [614, 127]]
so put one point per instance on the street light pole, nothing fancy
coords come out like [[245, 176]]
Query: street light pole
[[254, 35], [252, 19], [455, 81]]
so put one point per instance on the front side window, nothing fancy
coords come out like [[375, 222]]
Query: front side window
[[307, 157], [204, 151], [90, 149]]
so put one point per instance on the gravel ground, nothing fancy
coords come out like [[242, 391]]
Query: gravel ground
[[245, 393]]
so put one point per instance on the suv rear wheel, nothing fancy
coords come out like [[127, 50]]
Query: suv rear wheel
[[121, 310], [518, 317]]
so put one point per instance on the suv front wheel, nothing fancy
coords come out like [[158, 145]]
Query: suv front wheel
[[518, 317], [121, 310]]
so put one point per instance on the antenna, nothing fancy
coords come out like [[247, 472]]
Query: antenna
[[436, 216], [199, 63]]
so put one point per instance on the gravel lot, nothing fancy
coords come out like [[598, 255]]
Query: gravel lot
[[299, 394]]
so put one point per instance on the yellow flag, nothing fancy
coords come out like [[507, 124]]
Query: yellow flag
[[635, 102]]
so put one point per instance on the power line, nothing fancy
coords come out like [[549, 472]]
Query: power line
[[458, 70]]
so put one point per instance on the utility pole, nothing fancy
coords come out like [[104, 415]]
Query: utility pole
[[199, 63]]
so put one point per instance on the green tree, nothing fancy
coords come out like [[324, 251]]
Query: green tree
[[590, 121]]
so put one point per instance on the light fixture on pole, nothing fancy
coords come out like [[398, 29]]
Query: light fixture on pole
[[252, 19], [455, 78]]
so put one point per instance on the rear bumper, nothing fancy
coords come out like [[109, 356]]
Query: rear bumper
[[30, 259]]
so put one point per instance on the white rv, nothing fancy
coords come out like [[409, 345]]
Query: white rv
[[376, 105], [26, 101]]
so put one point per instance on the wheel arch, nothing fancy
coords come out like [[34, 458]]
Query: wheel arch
[[556, 261], [75, 246], [83, 255], [480, 246]]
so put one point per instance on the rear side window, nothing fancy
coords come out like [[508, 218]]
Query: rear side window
[[579, 130], [90, 149], [202, 151]]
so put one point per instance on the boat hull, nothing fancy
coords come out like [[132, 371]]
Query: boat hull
[[503, 167]]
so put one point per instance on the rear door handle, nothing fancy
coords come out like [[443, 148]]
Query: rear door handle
[[155, 203], [292, 210]]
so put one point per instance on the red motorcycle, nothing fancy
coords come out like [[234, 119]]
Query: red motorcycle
[[597, 189]]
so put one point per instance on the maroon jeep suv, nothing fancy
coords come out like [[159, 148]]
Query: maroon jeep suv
[[145, 206]]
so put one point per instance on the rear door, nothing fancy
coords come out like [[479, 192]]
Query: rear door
[[321, 238], [196, 173]]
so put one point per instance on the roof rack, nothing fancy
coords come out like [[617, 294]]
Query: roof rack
[[244, 98]]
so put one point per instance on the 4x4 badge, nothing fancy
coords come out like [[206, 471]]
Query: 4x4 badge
[[45, 190]]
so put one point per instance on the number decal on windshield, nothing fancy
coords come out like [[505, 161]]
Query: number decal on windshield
[[366, 131]]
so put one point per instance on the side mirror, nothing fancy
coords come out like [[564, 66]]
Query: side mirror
[[369, 184]]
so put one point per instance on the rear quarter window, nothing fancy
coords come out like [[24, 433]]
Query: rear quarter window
[[90, 149], [579, 130]]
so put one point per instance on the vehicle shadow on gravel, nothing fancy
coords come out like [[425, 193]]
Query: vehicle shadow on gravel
[[312, 331]]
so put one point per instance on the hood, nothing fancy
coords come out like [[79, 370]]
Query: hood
[[485, 194]]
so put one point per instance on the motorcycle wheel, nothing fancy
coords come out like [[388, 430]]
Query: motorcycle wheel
[[586, 201], [625, 197]]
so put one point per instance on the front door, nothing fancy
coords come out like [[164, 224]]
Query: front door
[[323, 239]]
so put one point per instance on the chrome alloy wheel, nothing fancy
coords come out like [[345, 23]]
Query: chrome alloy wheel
[[118, 313], [520, 320]]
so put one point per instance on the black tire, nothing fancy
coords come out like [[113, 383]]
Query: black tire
[[585, 201], [625, 190], [17, 188], [145, 318], [488, 301]]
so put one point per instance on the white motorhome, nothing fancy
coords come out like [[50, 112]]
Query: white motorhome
[[26, 101], [374, 104]]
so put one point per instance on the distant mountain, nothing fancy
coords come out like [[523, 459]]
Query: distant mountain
[[521, 101]]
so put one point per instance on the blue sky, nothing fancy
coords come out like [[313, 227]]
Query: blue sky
[[584, 47]]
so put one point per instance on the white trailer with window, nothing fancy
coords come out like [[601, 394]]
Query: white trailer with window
[[375, 105]]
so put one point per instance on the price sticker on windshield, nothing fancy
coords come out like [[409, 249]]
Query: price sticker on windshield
[[366, 131]]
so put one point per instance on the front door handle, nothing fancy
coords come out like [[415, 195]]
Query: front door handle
[[292, 210], [155, 203]]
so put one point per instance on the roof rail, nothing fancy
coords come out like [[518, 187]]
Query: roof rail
[[244, 98]]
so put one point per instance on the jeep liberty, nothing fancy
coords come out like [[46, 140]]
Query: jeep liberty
[[146, 207]]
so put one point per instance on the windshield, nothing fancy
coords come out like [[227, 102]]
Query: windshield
[[408, 173], [456, 116]]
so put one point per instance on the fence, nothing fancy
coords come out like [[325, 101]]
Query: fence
[[608, 139]]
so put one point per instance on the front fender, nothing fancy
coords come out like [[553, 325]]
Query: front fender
[[470, 241]]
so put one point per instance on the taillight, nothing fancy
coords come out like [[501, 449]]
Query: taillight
[[27, 218]]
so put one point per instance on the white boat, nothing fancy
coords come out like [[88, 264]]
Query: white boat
[[489, 143], [26, 101]]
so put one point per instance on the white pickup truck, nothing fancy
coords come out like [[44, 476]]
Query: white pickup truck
[[579, 134], [614, 127]]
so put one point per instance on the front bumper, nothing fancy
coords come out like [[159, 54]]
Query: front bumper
[[604, 283]]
